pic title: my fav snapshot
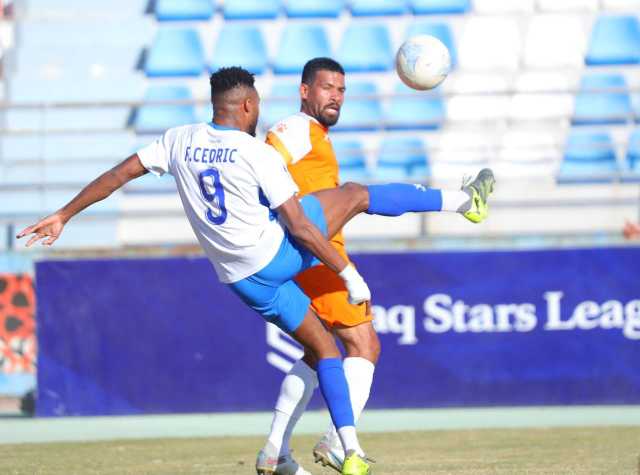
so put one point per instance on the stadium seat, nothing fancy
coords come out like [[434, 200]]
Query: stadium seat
[[614, 40], [458, 153], [620, 5], [593, 107], [151, 183], [298, 44], [178, 10], [568, 5], [21, 148], [314, 8], [378, 7], [414, 110], [76, 174], [539, 96], [500, 6], [528, 153], [360, 113], [28, 202], [352, 160], [633, 153], [240, 41], [175, 52], [545, 44], [251, 9], [365, 47], [160, 117], [102, 147], [474, 103], [440, 30], [401, 158], [589, 157], [282, 101], [490, 44], [439, 7]]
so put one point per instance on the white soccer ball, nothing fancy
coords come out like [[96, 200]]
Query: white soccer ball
[[422, 62]]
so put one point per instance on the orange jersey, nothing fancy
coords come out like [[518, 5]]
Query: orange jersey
[[306, 148], [305, 145]]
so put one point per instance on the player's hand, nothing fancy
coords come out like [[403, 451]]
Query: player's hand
[[631, 230], [48, 228], [356, 286]]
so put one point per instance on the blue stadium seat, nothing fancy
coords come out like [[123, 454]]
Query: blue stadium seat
[[175, 52], [352, 160], [360, 113], [401, 158], [298, 44], [22, 202], [251, 9], [378, 7], [76, 174], [633, 154], [594, 107], [420, 110], [614, 40], [314, 8], [283, 100], [240, 44], [439, 7], [440, 30], [589, 157], [365, 47], [151, 183], [177, 10], [160, 117], [103, 147]]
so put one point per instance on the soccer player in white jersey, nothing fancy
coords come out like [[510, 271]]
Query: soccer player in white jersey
[[241, 203]]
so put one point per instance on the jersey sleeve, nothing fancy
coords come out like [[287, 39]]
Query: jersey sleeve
[[291, 138], [274, 178], [156, 157]]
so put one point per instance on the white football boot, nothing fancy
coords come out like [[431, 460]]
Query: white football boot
[[329, 454]]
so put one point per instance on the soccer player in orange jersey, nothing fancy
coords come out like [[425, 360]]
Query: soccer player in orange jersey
[[303, 140]]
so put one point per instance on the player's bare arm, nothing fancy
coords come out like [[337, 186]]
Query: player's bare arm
[[51, 227]]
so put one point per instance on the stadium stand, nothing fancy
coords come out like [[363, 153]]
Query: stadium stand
[[409, 110], [251, 9], [401, 158], [364, 8], [352, 160], [615, 40], [298, 43], [181, 10], [175, 52], [159, 117], [365, 47], [440, 30], [240, 41], [362, 109], [439, 7], [588, 157], [633, 154], [283, 100], [603, 99], [314, 8]]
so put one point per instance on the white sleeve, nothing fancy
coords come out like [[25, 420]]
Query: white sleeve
[[274, 178], [156, 157]]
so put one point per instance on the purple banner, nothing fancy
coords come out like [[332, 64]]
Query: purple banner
[[457, 329]]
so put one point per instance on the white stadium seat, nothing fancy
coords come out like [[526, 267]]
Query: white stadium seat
[[490, 44], [567, 5], [540, 96], [502, 6], [555, 41]]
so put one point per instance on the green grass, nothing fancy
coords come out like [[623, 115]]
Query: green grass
[[610, 450]]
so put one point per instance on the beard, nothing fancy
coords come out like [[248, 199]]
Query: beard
[[252, 129], [329, 121]]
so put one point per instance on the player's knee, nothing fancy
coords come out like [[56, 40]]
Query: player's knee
[[358, 195]]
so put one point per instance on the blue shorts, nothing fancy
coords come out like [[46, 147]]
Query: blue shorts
[[271, 291]]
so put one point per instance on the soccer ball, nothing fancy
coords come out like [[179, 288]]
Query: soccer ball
[[422, 62]]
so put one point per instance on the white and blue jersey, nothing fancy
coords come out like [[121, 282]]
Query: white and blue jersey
[[228, 182]]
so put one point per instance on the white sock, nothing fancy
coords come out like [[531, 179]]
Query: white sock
[[295, 392], [453, 200], [359, 374], [350, 439]]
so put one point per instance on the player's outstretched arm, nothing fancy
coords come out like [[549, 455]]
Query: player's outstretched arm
[[307, 234], [51, 227]]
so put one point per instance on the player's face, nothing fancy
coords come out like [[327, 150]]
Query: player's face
[[323, 98]]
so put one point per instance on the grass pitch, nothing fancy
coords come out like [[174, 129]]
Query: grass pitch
[[610, 450]]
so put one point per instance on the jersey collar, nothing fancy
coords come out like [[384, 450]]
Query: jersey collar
[[221, 127]]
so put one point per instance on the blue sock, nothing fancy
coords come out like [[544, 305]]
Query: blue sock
[[334, 388], [395, 199]]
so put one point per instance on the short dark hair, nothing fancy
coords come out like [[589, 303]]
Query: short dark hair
[[225, 79], [319, 64]]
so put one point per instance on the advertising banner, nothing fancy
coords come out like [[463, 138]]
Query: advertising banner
[[457, 329]]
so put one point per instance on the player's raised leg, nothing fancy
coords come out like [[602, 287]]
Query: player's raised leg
[[394, 199]]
